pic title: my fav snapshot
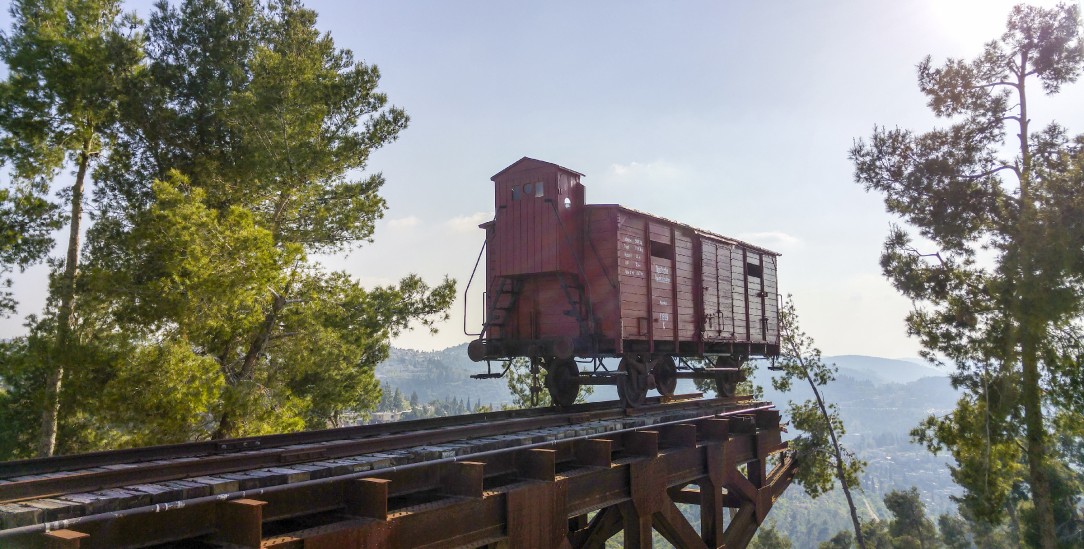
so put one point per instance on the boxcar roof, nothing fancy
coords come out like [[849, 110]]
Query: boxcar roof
[[533, 163], [702, 232]]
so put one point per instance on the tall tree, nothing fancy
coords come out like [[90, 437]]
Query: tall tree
[[823, 460], [996, 319], [256, 128], [67, 61]]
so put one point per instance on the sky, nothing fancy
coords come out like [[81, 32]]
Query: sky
[[735, 117]]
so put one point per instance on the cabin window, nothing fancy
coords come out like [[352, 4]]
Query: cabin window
[[538, 189], [662, 250], [528, 189], [515, 192], [568, 202], [754, 270]]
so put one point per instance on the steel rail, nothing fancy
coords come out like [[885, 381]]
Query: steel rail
[[39, 466], [239, 494], [99, 478]]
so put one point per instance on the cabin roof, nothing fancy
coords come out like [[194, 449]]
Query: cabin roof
[[527, 163]]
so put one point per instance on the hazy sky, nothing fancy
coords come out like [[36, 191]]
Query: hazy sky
[[731, 116]]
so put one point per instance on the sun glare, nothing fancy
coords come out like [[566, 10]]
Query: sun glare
[[970, 23]]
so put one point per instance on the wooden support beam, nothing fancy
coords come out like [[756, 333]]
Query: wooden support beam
[[594, 452], [64, 539], [764, 503], [687, 495], [537, 464], [647, 485], [604, 525], [742, 424], [536, 516], [578, 522], [678, 436], [711, 488], [368, 497], [637, 527], [768, 441], [673, 526], [240, 522], [642, 443], [465, 478], [767, 419], [741, 529], [717, 430]]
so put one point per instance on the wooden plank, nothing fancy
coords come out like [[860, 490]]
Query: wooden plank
[[64, 539], [368, 497], [240, 522]]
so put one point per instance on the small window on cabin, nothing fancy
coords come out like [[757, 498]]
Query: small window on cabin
[[662, 250], [515, 192], [754, 270], [568, 202], [528, 190], [538, 189]]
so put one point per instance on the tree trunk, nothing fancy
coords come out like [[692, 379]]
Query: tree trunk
[[1029, 334], [1036, 447], [66, 314], [1014, 522], [839, 458], [226, 424]]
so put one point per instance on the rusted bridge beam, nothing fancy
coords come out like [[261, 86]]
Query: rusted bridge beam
[[531, 498]]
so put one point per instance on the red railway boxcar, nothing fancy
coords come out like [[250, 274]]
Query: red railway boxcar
[[568, 280]]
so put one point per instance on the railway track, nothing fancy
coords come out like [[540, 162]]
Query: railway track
[[41, 466], [49, 477], [143, 497]]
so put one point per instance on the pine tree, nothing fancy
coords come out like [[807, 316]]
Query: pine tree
[[67, 61], [1001, 321]]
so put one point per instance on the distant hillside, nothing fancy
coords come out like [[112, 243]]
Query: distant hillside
[[883, 370]]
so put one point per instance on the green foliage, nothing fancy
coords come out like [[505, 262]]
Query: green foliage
[[988, 465], [230, 139], [27, 220], [910, 527], [67, 61], [768, 537], [875, 533], [842, 540], [1003, 289], [954, 532]]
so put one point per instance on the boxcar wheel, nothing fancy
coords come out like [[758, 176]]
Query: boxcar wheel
[[632, 387], [665, 372], [563, 382], [726, 385]]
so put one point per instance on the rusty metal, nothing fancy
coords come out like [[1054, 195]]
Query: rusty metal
[[534, 495]]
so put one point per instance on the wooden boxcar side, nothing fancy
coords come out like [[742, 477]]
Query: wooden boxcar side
[[678, 290]]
